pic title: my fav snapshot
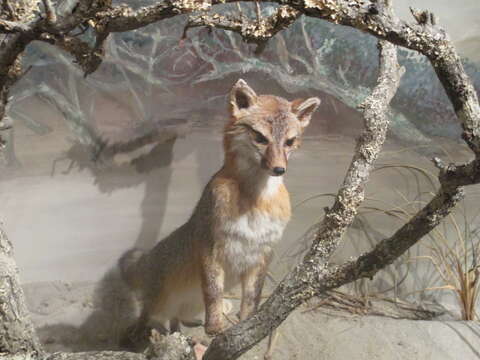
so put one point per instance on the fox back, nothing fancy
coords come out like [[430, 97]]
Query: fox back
[[242, 212]]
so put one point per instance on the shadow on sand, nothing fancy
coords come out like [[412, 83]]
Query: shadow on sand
[[113, 304]]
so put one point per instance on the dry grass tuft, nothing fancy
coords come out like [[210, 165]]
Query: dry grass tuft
[[452, 249]]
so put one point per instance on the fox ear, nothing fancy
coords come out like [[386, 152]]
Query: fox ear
[[304, 109], [242, 97]]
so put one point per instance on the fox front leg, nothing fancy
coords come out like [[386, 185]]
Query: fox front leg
[[213, 277], [252, 285]]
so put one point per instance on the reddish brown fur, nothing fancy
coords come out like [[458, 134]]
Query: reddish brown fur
[[228, 186]]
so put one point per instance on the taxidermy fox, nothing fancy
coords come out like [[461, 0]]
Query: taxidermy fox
[[241, 214]]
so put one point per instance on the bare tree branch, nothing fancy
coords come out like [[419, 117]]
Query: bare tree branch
[[123, 18], [50, 12], [17, 335], [258, 10], [7, 7], [351, 193], [10, 69], [258, 32], [87, 57], [7, 26]]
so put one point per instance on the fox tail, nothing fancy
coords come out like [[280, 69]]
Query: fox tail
[[128, 265]]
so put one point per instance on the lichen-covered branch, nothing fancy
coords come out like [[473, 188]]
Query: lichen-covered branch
[[252, 31], [8, 9], [17, 335], [351, 193], [300, 284], [124, 18], [87, 57], [10, 72], [50, 12], [389, 250], [170, 347], [7, 27]]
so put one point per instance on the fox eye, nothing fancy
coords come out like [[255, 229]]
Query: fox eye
[[290, 142], [259, 138]]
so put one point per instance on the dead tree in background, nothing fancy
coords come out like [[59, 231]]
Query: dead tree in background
[[21, 24]]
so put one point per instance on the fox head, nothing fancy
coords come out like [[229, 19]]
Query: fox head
[[264, 129]]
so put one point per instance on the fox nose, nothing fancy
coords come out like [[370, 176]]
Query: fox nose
[[279, 171]]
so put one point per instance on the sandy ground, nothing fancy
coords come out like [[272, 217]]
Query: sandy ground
[[70, 222], [82, 316]]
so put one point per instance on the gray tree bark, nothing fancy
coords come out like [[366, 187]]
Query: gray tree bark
[[17, 335]]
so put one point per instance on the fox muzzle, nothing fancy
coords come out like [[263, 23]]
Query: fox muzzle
[[274, 161]]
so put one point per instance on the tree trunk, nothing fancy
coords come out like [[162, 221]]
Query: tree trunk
[[17, 335]]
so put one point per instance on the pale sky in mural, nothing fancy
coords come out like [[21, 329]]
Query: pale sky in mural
[[460, 18]]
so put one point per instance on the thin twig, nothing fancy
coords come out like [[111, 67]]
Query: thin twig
[[50, 12], [9, 9], [258, 11]]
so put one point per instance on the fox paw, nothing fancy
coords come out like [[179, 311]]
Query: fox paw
[[214, 329], [135, 338], [227, 306]]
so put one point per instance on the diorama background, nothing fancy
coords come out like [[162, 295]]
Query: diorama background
[[96, 166]]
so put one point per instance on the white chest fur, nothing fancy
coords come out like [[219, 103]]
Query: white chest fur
[[248, 237]]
